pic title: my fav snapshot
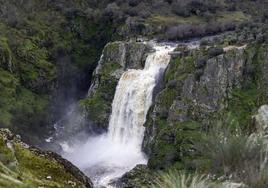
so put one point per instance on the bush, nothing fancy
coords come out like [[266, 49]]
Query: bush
[[132, 12], [200, 63], [195, 7], [184, 31], [113, 13], [212, 52], [5, 55], [180, 10], [133, 3]]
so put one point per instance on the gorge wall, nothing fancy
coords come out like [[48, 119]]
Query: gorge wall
[[202, 89]]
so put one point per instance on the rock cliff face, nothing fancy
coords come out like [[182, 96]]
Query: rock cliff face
[[23, 166], [200, 91], [116, 58]]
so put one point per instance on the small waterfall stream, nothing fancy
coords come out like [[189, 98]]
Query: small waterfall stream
[[107, 157]]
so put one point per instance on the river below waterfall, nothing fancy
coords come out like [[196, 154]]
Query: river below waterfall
[[107, 157]]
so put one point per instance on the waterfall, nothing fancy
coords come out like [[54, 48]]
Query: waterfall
[[108, 156], [133, 99]]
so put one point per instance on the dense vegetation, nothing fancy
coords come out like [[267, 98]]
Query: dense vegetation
[[48, 51]]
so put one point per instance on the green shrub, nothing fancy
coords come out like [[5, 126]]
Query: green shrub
[[215, 52], [5, 55]]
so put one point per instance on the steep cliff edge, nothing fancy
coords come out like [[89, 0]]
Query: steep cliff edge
[[116, 58], [23, 166]]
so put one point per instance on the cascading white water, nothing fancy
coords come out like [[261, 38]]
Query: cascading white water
[[109, 156], [133, 99]]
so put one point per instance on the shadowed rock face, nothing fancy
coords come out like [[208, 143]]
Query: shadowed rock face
[[24, 166]]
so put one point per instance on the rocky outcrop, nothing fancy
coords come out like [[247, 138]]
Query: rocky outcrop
[[116, 58], [201, 90], [132, 179], [24, 166]]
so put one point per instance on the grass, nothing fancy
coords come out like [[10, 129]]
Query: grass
[[230, 156], [174, 179], [236, 16], [236, 156], [160, 19]]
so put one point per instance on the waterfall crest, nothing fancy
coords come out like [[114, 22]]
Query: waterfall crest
[[108, 156]]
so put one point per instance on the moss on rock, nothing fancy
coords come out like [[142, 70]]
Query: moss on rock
[[22, 166]]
